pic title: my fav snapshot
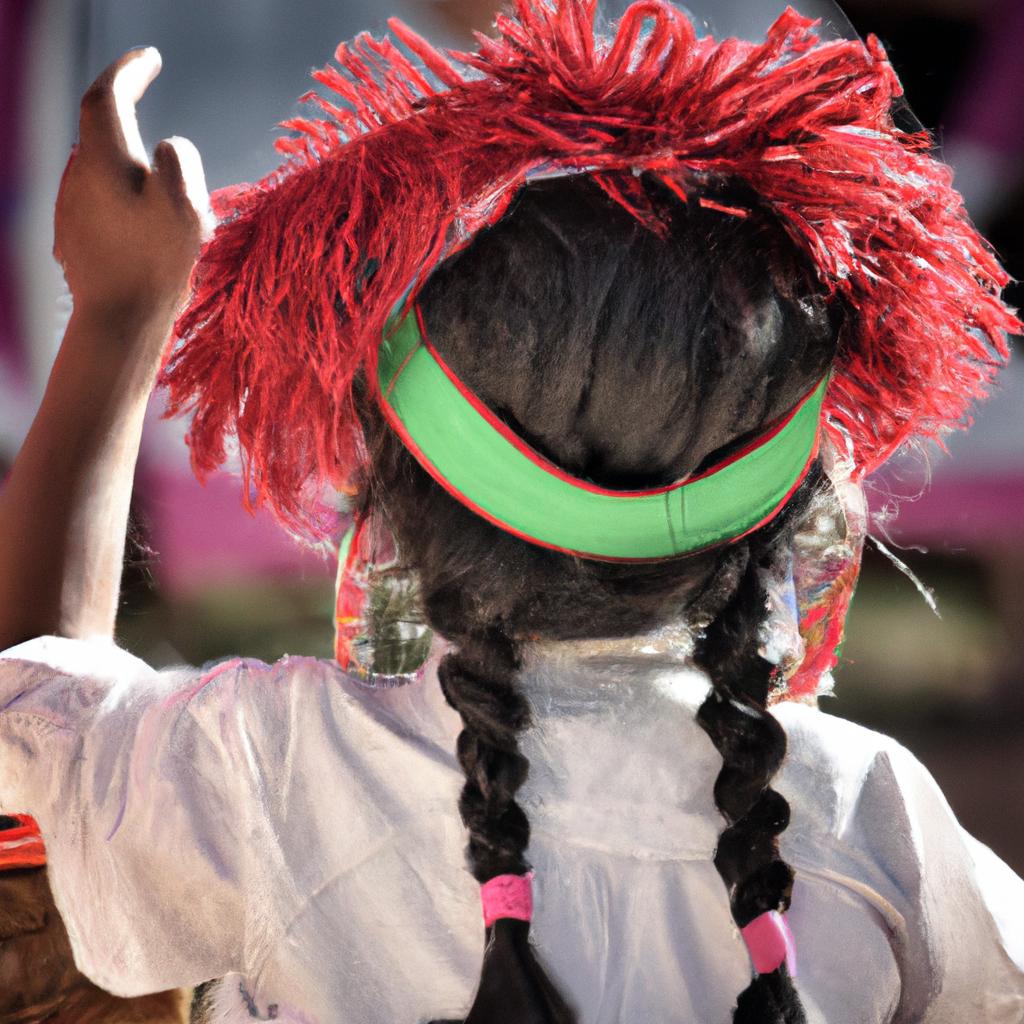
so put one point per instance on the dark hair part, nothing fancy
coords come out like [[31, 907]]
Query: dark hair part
[[629, 359]]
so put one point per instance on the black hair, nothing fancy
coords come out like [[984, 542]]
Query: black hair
[[630, 359]]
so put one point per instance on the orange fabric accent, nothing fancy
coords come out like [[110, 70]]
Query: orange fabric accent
[[22, 847]]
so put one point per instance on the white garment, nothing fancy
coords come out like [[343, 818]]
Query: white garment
[[295, 831]]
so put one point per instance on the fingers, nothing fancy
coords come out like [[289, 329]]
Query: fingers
[[178, 166], [109, 129]]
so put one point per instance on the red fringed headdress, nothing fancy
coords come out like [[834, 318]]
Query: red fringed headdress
[[293, 292]]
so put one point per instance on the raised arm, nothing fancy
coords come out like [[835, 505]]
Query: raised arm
[[127, 234]]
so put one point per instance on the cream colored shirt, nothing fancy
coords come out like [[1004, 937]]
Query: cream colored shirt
[[296, 833]]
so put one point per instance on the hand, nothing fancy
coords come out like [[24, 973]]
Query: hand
[[127, 233]]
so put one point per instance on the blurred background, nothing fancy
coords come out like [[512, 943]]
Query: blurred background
[[206, 580]]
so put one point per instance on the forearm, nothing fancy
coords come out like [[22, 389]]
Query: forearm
[[64, 508], [127, 234]]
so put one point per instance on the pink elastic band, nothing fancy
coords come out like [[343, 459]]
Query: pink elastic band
[[770, 943], [508, 896]]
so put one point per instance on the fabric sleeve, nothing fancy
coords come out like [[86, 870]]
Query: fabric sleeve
[[972, 908], [133, 786], [864, 808], [190, 817]]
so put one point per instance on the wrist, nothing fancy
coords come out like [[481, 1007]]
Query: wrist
[[126, 321], [113, 353], [124, 337]]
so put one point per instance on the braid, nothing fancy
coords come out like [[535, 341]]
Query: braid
[[478, 680], [752, 744]]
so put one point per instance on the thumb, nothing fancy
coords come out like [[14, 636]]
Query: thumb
[[178, 168], [59, 208]]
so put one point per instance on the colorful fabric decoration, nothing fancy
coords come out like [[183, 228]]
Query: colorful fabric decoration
[[827, 553], [808, 598], [21, 845], [379, 633]]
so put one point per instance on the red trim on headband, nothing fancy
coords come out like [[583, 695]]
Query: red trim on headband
[[400, 429], [549, 467], [21, 847]]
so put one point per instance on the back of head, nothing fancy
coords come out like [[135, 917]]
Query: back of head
[[627, 359]]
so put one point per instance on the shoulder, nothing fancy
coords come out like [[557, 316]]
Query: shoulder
[[99, 657], [847, 776], [868, 817], [865, 808], [317, 696], [74, 683], [65, 682]]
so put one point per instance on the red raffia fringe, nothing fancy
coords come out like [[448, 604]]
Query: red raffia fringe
[[418, 154]]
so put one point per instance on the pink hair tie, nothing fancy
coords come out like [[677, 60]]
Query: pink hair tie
[[770, 943], [509, 896]]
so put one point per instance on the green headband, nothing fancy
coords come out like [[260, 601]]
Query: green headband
[[483, 464]]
